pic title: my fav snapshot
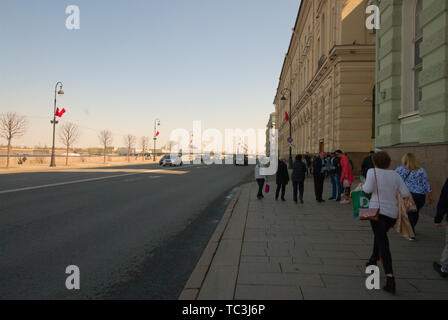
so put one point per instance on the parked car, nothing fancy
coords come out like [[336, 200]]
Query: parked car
[[169, 161]]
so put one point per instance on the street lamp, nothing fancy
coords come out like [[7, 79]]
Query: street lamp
[[54, 122], [156, 124], [285, 92]]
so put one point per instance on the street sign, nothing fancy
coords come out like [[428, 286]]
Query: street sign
[[290, 140]]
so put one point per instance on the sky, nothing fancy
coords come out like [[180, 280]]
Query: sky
[[133, 61]]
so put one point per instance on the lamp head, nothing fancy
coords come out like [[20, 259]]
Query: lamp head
[[61, 92]]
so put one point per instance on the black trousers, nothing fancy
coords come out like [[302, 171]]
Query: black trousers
[[301, 187], [413, 216], [319, 185], [381, 242], [260, 187], [277, 192]]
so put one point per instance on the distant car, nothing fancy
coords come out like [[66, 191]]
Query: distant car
[[163, 159], [168, 161]]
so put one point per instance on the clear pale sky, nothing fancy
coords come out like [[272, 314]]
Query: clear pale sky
[[132, 61]]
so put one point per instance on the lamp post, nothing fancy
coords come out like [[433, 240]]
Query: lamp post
[[285, 92], [54, 122], [156, 124]]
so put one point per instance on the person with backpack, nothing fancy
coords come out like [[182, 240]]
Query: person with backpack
[[417, 182]]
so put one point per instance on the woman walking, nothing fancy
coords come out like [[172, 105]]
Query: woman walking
[[299, 171], [260, 180], [384, 184], [282, 178], [417, 182]]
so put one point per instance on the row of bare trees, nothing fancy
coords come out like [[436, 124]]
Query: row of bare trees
[[14, 126], [11, 126]]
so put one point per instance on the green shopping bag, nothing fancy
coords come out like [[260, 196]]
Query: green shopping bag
[[360, 200]]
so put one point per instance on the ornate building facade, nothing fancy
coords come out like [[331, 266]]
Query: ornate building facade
[[328, 80], [412, 84]]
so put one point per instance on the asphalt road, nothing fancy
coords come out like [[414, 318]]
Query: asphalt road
[[135, 232]]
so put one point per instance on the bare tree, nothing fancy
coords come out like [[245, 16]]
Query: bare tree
[[12, 126], [105, 137], [68, 135], [129, 141], [144, 143]]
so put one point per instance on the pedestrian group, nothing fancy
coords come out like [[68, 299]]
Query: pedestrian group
[[384, 186]]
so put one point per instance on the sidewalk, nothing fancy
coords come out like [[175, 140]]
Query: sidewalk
[[280, 250]]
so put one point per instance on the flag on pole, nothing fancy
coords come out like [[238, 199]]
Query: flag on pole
[[157, 134], [286, 116], [60, 113]]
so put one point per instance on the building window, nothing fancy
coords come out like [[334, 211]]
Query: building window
[[418, 61], [412, 62], [323, 36]]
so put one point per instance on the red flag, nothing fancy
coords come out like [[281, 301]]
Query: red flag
[[286, 116], [60, 113], [157, 134]]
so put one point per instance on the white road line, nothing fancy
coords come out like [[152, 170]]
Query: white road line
[[81, 181], [69, 182]]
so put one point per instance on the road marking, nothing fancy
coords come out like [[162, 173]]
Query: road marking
[[67, 183], [132, 173]]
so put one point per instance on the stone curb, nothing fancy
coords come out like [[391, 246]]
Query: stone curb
[[194, 283]]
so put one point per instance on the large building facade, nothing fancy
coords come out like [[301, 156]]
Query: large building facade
[[328, 80], [412, 84]]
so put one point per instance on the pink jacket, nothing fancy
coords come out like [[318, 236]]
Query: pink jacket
[[346, 170]]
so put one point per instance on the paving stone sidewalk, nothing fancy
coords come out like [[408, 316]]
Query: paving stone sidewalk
[[278, 250]]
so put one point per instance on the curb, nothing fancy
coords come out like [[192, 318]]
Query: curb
[[194, 283]]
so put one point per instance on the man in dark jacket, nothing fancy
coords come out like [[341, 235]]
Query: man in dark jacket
[[319, 171], [299, 170], [367, 164], [442, 210], [282, 178]]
